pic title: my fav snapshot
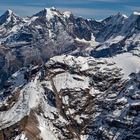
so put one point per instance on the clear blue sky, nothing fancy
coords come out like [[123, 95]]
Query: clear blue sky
[[97, 9]]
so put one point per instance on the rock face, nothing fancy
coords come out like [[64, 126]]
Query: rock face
[[76, 98]]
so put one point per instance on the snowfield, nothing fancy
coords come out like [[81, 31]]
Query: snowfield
[[128, 62]]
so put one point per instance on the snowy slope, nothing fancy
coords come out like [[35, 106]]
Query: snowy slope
[[128, 62]]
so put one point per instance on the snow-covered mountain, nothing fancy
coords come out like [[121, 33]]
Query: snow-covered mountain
[[9, 23], [64, 77], [77, 98], [50, 32], [120, 34]]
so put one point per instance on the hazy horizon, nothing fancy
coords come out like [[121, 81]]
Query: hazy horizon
[[97, 9]]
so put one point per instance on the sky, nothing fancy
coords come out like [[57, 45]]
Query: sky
[[96, 9]]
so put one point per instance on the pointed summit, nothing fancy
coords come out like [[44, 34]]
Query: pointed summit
[[6, 17], [118, 18], [9, 12], [9, 17], [48, 13], [132, 23]]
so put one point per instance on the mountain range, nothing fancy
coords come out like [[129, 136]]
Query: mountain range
[[64, 77]]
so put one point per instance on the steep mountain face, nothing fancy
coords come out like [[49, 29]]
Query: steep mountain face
[[60, 97], [76, 98], [9, 23], [113, 25], [9, 19], [120, 35], [37, 38], [68, 78], [48, 33]]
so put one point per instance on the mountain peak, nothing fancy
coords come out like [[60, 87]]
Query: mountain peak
[[118, 18], [9, 17], [6, 17], [49, 13], [46, 10], [119, 14], [9, 12]]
